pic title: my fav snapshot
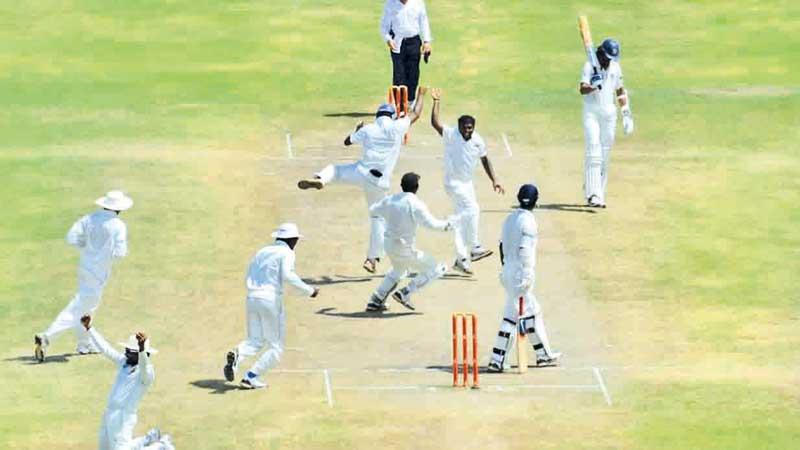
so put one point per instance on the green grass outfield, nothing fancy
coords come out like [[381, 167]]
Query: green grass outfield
[[692, 269]]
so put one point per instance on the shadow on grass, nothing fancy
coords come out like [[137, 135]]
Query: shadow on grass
[[31, 361], [567, 207], [366, 315], [216, 386], [340, 279], [349, 114]]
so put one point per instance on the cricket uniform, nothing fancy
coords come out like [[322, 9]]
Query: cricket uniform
[[460, 159], [381, 142], [266, 320], [403, 213], [132, 382], [519, 240], [408, 26], [599, 126], [102, 237]]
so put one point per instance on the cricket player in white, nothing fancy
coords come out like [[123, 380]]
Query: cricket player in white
[[102, 237], [463, 147], [518, 256], [266, 321], [373, 173], [600, 93], [404, 212], [135, 376]]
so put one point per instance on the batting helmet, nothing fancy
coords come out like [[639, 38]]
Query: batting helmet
[[611, 49], [528, 195], [386, 109]]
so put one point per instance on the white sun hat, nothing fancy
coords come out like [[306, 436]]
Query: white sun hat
[[133, 344], [287, 230], [115, 201]]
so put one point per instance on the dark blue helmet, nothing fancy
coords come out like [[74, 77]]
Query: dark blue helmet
[[610, 47], [528, 195]]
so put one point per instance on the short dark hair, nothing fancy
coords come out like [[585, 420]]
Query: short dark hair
[[410, 182], [465, 119]]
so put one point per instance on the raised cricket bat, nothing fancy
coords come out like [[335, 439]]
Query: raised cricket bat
[[588, 45], [522, 348]]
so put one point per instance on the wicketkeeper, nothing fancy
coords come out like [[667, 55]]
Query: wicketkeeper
[[518, 256]]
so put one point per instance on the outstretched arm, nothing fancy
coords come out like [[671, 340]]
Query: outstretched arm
[[146, 373], [425, 218], [418, 106], [487, 166], [100, 342], [436, 95]]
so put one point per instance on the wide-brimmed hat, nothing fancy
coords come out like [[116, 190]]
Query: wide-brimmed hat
[[287, 230], [115, 201], [133, 344]]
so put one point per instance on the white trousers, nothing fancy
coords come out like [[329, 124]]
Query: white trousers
[[465, 205], [266, 328], [531, 319], [85, 301], [116, 433], [405, 257], [599, 126], [357, 175]]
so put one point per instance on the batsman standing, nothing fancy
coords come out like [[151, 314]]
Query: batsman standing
[[463, 147], [407, 33], [601, 87], [382, 141], [518, 257]]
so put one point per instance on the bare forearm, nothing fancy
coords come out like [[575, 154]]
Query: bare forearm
[[585, 89], [487, 166], [418, 107], [435, 117]]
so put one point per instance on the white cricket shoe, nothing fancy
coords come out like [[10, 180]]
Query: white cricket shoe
[[370, 265], [478, 253], [548, 361], [232, 361], [249, 382], [152, 436], [493, 367], [462, 265], [594, 202], [404, 298]]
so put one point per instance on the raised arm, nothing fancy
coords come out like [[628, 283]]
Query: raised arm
[[291, 277], [76, 236], [436, 96], [100, 342], [418, 105], [146, 372]]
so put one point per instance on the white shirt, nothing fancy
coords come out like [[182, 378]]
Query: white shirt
[[381, 140], [403, 213], [612, 80], [519, 239], [131, 382], [269, 269], [460, 156], [405, 21], [101, 236]]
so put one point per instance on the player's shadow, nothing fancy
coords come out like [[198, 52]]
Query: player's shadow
[[31, 361], [340, 279], [366, 315], [568, 207], [349, 114], [216, 386]]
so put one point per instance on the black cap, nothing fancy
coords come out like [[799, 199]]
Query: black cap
[[528, 195], [410, 182]]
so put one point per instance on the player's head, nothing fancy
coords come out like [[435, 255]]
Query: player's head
[[410, 182], [287, 233], [528, 195], [387, 110], [608, 51], [466, 126]]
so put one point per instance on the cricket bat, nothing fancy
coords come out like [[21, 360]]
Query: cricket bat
[[588, 45], [522, 348]]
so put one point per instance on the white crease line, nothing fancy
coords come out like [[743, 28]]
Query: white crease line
[[289, 145], [343, 158], [328, 389], [602, 384], [508, 146], [488, 387]]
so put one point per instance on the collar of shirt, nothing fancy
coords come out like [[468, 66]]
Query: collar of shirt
[[282, 243]]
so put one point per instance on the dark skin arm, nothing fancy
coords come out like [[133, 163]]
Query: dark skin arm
[[436, 95], [419, 105], [487, 166], [347, 139]]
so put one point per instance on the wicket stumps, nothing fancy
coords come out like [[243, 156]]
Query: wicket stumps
[[398, 96], [464, 332]]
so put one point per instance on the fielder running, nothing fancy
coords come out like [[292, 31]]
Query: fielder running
[[269, 269], [373, 173], [600, 91], [518, 256], [135, 376], [403, 213], [102, 237], [462, 149]]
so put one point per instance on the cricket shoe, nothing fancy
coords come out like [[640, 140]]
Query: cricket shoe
[[493, 367], [376, 305], [251, 381], [548, 361], [152, 436], [310, 184], [87, 349], [462, 265], [594, 202], [231, 360], [370, 264], [478, 253], [40, 347], [404, 298]]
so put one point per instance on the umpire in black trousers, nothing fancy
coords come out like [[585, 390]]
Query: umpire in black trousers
[[407, 33]]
